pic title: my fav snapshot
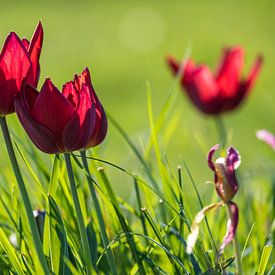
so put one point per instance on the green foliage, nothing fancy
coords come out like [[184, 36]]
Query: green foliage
[[147, 232]]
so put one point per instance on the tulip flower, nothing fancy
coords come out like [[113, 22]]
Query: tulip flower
[[62, 122], [226, 186], [223, 91], [19, 60]]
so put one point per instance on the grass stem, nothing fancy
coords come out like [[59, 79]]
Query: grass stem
[[104, 237], [79, 216], [221, 131], [24, 195]]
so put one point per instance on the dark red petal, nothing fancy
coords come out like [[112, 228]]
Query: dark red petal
[[210, 156], [83, 78], [232, 225], [34, 53], [233, 159], [28, 96], [69, 91], [100, 129], [253, 74], [80, 127], [52, 109], [26, 43], [245, 86], [173, 64], [42, 137], [14, 66], [202, 89], [229, 72]]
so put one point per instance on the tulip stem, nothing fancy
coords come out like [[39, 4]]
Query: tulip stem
[[79, 216], [221, 131], [236, 246], [104, 237], [24, 195]]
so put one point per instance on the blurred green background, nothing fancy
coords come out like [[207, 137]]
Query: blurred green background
[[124, 43]]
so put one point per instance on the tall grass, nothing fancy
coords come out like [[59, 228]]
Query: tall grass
[[143, 235]]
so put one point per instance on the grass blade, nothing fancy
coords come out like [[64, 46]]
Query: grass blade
[[264, 259]]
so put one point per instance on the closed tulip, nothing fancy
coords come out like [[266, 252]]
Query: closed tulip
[[19, 61], [62, 122], [216, 93]]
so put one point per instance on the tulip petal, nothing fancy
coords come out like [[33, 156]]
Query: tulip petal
[[28, 96], [202, 88], [194, 234], [26, 43], [100, 128], [245, 86], [233, 159], [69, 91], [83, 78], [229, 72], [253, 74], [81, 123], [42, 137], [173, 64], [34, 51], [14, 66], [210, 156], [52, 109], [232, 225], [267, 137]]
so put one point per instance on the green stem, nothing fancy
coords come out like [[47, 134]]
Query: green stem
[[143, 223], [79, 216], [24, 195], [104, 237], [236, 246], [221, 131], [181, 227]]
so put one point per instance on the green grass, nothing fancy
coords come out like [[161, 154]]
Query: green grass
[[116, 41]]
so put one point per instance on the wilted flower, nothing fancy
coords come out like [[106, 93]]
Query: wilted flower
[[220, 92], [19, 61], [224, 169], [62, 122], [226, 186]]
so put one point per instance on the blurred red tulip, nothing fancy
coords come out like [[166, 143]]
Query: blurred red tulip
[[19, 60], [62, 122], [222, 92]]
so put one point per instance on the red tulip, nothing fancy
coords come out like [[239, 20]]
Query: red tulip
[[100, 128], [220, 92], [62, 122], [19, 60]]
